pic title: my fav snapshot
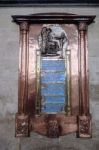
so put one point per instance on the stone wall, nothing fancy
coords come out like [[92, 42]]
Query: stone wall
[[9, 49]]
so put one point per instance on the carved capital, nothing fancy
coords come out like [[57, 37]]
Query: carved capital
[[82, 26], [24, 26], [22, 125], [84, 126]]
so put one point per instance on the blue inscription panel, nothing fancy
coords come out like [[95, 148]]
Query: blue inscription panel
[[53, 99], [53, 89], [52, 108], [53, 77], [56, 77], [56, 65]]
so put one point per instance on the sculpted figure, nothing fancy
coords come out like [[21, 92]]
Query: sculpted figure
[[53, 40]]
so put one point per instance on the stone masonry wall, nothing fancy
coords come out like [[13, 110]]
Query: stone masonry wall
[[9, 49]]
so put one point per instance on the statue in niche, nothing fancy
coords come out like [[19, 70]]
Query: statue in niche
[[53, 40]]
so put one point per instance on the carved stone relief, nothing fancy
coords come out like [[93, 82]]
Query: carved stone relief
[[53, 40]]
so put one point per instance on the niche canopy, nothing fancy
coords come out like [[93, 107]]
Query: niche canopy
[[53, 97]]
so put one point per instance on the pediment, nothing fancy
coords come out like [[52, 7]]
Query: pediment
[[54, 18]]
